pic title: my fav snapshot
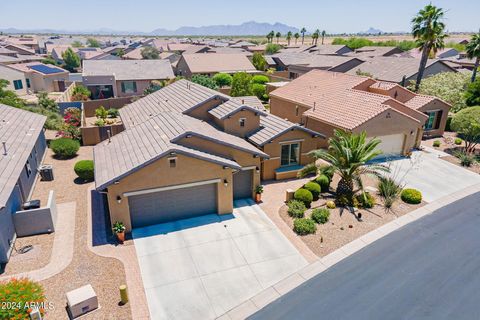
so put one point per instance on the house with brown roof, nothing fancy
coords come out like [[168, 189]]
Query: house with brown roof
[[324, 101], [375, 51], [212, 63], [187, 144]]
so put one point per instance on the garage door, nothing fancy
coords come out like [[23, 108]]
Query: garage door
[[170, 205], [391, 144], [243, 184]]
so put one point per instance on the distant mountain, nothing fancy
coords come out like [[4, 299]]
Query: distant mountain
[[372, 31]]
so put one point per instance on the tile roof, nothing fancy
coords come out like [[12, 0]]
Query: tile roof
[[19, 129], [231, 107], [129, 69], [218, 62], [419, 101], [327, 48], [252, 101], [374, 51], [135, 54], [37, 67], [312, 60]]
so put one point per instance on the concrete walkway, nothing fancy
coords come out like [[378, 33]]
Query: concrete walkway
[[270, 294], [63, 245]]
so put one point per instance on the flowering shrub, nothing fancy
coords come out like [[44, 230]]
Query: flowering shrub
[[19, 297]]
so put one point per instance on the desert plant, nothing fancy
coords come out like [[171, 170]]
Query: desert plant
[[259, 90], [101, 113], [303, 195], [304, 226], [411, 196], [150, 53], [324, 182], [118, 227], [389, 190], [320, 215], [466, 159], [84, 169], [331, 204], [20, 292], [80, 93], [65, 147], [296, 208], [467, 124], [113, 113], [99, 123], [458, 141], [259, 189], [314, 188], [307, 170], [365, 200], [436, 143]]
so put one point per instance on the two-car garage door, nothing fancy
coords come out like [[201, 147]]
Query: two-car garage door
[[391, 144]]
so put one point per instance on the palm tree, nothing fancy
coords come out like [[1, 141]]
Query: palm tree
[[473, 52], [324, 33], [289, 37], [270, 36], [303, 33], [348, 155], [429, 33], [315, 36], [278, 35], [296, 36]]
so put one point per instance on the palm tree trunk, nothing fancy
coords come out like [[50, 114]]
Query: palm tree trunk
[[421, 69], [323, 37], [303, 38], [475, 68], [345, 192]]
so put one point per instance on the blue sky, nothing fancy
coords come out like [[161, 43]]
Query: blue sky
[[145, 15]]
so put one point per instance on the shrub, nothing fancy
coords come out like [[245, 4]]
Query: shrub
[[314, 188], [327, 170], [466, 160], [296, 209], [222, 79], [331, 204], [320, 215], [65, 147], [366, 200], [324, 182], [411, 196], [272, 48], [113, 113], [458, 141], [259, 61], [84, 169], [260, 79], [304, 226], [258, 90], [99, 123], [22, 292], [101, 113], [436, 143], [448, 125], [308, 169], [389, 190], [303, 195]]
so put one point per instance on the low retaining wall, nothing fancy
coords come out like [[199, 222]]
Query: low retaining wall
[[94, 135], [90, 106], [36, 221]]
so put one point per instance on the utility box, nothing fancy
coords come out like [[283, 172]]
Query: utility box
[[81, 301], [46, 172], [289, 193]]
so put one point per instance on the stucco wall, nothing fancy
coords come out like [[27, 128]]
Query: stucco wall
[[141, 86], [201, 112], [26, 181], [11, 75], [182, 69], [7, 229], [432, 106], [286, 110], [232, 124]]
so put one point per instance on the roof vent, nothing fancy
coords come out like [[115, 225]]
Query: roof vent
[[4, 148]]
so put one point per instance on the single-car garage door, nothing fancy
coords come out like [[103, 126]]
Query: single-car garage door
[[169, 205], [391, 144], [243, 184]]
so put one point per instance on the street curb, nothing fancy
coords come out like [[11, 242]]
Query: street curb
[[279, 289]]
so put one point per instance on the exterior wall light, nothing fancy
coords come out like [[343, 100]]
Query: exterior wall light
[[119, 199], [225, 182], [257, 169]]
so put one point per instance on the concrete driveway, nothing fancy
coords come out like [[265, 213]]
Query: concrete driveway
[[434, 177], [200, 268]]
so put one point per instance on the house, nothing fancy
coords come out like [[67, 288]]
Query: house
[[186, 144], [440, 54], [22, 150], [123, 78], [307, 62], [375, 51], [19, 49], [330, 49], [399, 70], [212, 63], [42, 77], [17, 81], [324, 101], [29, 42]]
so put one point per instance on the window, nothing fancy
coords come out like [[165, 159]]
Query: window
[[434, 118], [18, 84], [28, 82], [28, 169], [129, 87], [172, 162], [290, 154], [242, 122]]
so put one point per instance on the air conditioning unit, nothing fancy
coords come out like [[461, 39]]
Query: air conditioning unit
[[46, 172], [81, 301]]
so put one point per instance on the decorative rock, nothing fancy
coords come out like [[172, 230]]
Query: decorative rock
[[350, 226]]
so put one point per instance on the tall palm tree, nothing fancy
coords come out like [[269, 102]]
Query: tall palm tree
[[315, 36], [303, 31], [429, 33], [278, 35], [473, 52], [270, 36], [289, 37], [348, 155], [296, 36], [324, 33]]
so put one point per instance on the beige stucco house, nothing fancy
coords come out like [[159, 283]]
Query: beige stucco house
[[212, 63], [42, 77], [16, 79]]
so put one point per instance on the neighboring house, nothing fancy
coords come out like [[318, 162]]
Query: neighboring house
[[399, 70], [440, 54], [123, 78], [22, 150], [319, 62], [212, 63], [189, 144], [324, 101], [16, 79], [42, 77], [330, 49], [374, 51], [19, 49], [29, 42]]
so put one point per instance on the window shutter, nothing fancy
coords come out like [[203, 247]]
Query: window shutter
[[439, 119]]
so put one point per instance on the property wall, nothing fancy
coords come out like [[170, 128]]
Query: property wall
[[232, 125], [94, 135], [434, 106], [90, 106], [9, 74], [286, 110], [159, 174]]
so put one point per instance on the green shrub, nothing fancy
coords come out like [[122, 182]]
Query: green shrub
[[99, 123], [258, 90], [296, 209], [389, 190], [22, 292], [304, 226], [436, 143], [324, 182], [222, 79], [314, 188], [84, 169], [260, 79], [113, 113], [101, 113], [327, 170], [466, 160], [65, 147], [458, 141], [365, 200], [320, 215], [303, 195], [331, 204], [448, 124], [411, 196]]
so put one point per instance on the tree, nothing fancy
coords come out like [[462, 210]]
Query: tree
[[150, 53], [472, 95], [303, 31], [272, 48], [270, 36], [278, 35], [49, 60], [204, 81], [448, 86], [467, 124], [429, 33], [473, 52], [315, 36], [45, 102], [93, 43], [154, 85], [80, 93], [259, 90], [77, 44], [222, 79], [296, 36], [260, 79], [71, 60], [241, 84], [259, 61], [289, 37], [9, 97], [348, 155], [324, 33]]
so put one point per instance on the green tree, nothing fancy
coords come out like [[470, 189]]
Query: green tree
[[270, 36], [278, 35], [260, 79], [428, 30], [467, 124], [259, 61], [258, 90], [71, 60], [80, 93], [324, 33], [472, 95], [45, 102], [296, 36], [50, 60], [150, 53], [204, 81], [222, 79], [9, 97], [77, 44], [289, 37], [315, 36], [241, 85], [303, 31], [93, 43], [272, 48], [348, 155], [154, 85], [473, 52]]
